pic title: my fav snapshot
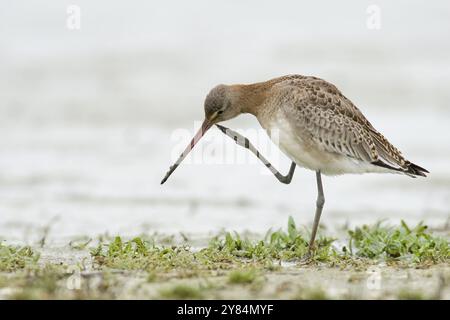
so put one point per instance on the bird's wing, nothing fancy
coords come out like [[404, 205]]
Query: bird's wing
[[337, 125], [333, 132]]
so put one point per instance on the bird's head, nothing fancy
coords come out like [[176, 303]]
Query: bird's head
[[220, 104]]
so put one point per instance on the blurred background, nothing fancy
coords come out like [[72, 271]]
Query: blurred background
[[88, 115]]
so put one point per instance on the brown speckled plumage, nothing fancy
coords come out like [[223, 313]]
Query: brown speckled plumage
[[312, 122], [325, 118]]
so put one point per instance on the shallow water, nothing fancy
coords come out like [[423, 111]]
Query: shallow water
[[96, 180], [89, 118]]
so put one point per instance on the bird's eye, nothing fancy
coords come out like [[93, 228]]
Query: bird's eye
[[220, 112]]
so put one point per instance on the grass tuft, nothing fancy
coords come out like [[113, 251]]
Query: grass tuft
[[311, 294], [367, 244], [280, 245], [410, 295], [182, 291], [243, 276], [402, 243], [233, 257], [139, 254], [14, 258]]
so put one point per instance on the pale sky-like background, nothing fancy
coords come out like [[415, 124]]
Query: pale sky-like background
[[89, 118]]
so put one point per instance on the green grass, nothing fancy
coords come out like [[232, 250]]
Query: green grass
[[279, 245], [229, 259], [181, 291], [410, 295], [52, 280], [233, 251], [403, 243], [227, 251], [38, 283], [13, 258], [311, 294], [242, 276], [139, 254]]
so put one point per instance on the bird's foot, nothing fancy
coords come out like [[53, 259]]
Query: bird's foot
[[307, 258]]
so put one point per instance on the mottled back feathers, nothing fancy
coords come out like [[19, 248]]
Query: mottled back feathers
[[318, 109]]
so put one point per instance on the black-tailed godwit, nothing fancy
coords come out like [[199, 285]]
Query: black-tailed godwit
[[318, 128]]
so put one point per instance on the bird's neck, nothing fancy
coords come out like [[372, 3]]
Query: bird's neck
[[249, 97]]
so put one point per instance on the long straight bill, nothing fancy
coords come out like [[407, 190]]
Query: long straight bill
[[205, 126]]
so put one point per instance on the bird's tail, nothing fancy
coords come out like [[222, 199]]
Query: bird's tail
[[414, 170], [391, 157], [409, 168]]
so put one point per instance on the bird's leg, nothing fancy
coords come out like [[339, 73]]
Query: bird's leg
[[319, 206], [244, 142]]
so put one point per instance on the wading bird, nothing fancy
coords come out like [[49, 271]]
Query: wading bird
[[318, 128]]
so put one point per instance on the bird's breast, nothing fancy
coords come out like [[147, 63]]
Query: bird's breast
[[297, 144], [294, 143]]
